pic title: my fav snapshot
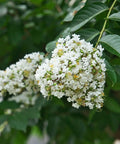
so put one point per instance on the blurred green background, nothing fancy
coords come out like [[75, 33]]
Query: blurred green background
[[27, 26]]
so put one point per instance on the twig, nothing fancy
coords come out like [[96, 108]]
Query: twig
[[104, 25]]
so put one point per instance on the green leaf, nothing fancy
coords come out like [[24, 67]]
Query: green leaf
[[112, 44], [88, 34], [92, 1], [86, 14], [64, 33], [112, 105], [115, 16], [111, 73], [117, 85], [20, 120], [76, 125], [50, 46], [73, 12]]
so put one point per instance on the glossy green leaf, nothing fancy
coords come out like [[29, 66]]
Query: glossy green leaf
[[115, 16], [69, 17], [112, 44], [86, 14], [88, 34]]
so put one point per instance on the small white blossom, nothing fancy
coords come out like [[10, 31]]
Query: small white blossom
[[19, 78], [76, 70]]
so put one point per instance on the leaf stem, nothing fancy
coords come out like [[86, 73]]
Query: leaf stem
[[104, 25]]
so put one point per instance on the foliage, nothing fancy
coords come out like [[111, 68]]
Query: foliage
[[34, 25]]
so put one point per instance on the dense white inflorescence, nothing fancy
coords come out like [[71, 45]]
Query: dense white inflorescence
[[76, 70], [19, 78]]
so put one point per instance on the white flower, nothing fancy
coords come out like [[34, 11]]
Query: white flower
[[19, 78], [76, 70]]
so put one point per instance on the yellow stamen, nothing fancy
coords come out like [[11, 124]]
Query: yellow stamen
[[38, 81], [79, 100], [60, 84], [56, 43], [103, 94], [75, 76], [26, 73], [68, 74], [60, 52], [52, 66]]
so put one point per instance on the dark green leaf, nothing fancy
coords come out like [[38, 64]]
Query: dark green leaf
[[115, 16], [86, 14], [88, 34], [112, 105], [112, 44], [73, 12], [64, 33], [111, 73], [117, 85]]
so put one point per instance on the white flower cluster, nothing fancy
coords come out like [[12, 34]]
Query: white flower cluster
[[19, 78], [76, 70]]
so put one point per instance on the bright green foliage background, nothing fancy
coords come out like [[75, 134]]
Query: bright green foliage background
[[34, 25]]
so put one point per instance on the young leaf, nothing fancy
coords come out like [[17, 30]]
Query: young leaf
[[88, 34], [86, 14], [115, 16], [112, 44], [111, 73]]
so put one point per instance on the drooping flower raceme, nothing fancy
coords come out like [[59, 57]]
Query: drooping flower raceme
[[76, 70], [20, 77]]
